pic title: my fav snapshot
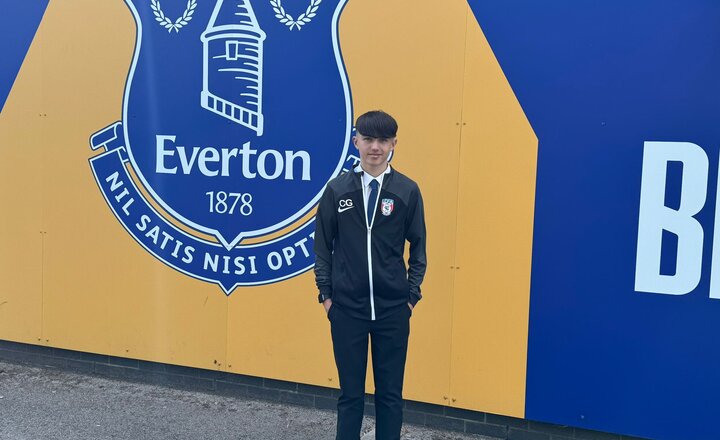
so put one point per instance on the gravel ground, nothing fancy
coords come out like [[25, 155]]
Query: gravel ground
[[46, 404]]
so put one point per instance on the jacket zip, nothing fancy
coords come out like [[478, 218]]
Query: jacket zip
[[369, 225], [369, 254], [372, 297]]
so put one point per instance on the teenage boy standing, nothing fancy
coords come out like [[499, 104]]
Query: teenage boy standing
[[363, 220]]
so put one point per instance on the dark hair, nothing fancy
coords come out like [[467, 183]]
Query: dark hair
[[377, 124]]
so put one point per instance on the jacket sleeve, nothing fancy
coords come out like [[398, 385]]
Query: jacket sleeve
[[415, 235], [325, 231]]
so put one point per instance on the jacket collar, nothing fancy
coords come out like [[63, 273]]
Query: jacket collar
[[358, 171]]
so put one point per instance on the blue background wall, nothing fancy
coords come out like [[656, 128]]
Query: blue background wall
[[596, 80]]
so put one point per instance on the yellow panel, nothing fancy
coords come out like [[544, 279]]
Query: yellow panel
[[495, 218], [102, 291], [21, 126], [405, 57], [279, 331]]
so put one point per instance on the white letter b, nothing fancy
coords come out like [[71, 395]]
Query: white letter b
[[656, 217]]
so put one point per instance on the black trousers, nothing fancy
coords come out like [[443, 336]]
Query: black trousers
[[389, 342]]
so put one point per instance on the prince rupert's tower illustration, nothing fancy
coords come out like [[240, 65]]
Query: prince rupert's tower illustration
[[233, 61]]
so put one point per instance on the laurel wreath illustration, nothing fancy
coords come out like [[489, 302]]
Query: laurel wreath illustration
[[169, 24], [288, 20]]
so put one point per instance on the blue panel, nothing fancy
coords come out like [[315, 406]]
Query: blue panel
[[596, 80], [18, 22]]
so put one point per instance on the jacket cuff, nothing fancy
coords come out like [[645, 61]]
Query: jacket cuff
[[325, 293], [414, 298]]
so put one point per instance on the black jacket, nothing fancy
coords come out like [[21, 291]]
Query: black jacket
[[342, 239]]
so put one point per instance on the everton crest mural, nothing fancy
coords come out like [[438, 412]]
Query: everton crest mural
[[236, 114]]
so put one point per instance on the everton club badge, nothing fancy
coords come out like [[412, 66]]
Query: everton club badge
[[236, 114]]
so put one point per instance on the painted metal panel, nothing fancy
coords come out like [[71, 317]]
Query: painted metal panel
[[495, 216], [102, 293], [21, 231], [388, 62]]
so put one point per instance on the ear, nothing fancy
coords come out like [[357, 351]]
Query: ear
[[394, 142], [355, 141]]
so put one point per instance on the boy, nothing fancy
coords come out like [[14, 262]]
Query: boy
[[364, 218]]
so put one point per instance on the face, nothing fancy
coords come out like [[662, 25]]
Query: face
[[374, 152]]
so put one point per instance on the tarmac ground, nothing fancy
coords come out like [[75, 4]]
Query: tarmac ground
[[48, 404]]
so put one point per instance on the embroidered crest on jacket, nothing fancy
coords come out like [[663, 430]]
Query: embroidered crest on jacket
[[387, 206]]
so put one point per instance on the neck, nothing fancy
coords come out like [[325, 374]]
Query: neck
[[374, 171]]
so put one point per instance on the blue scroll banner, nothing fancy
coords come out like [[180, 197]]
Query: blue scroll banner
[[243, 265]]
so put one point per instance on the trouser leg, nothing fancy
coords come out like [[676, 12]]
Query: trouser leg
[[389, 341], [350, 346]]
